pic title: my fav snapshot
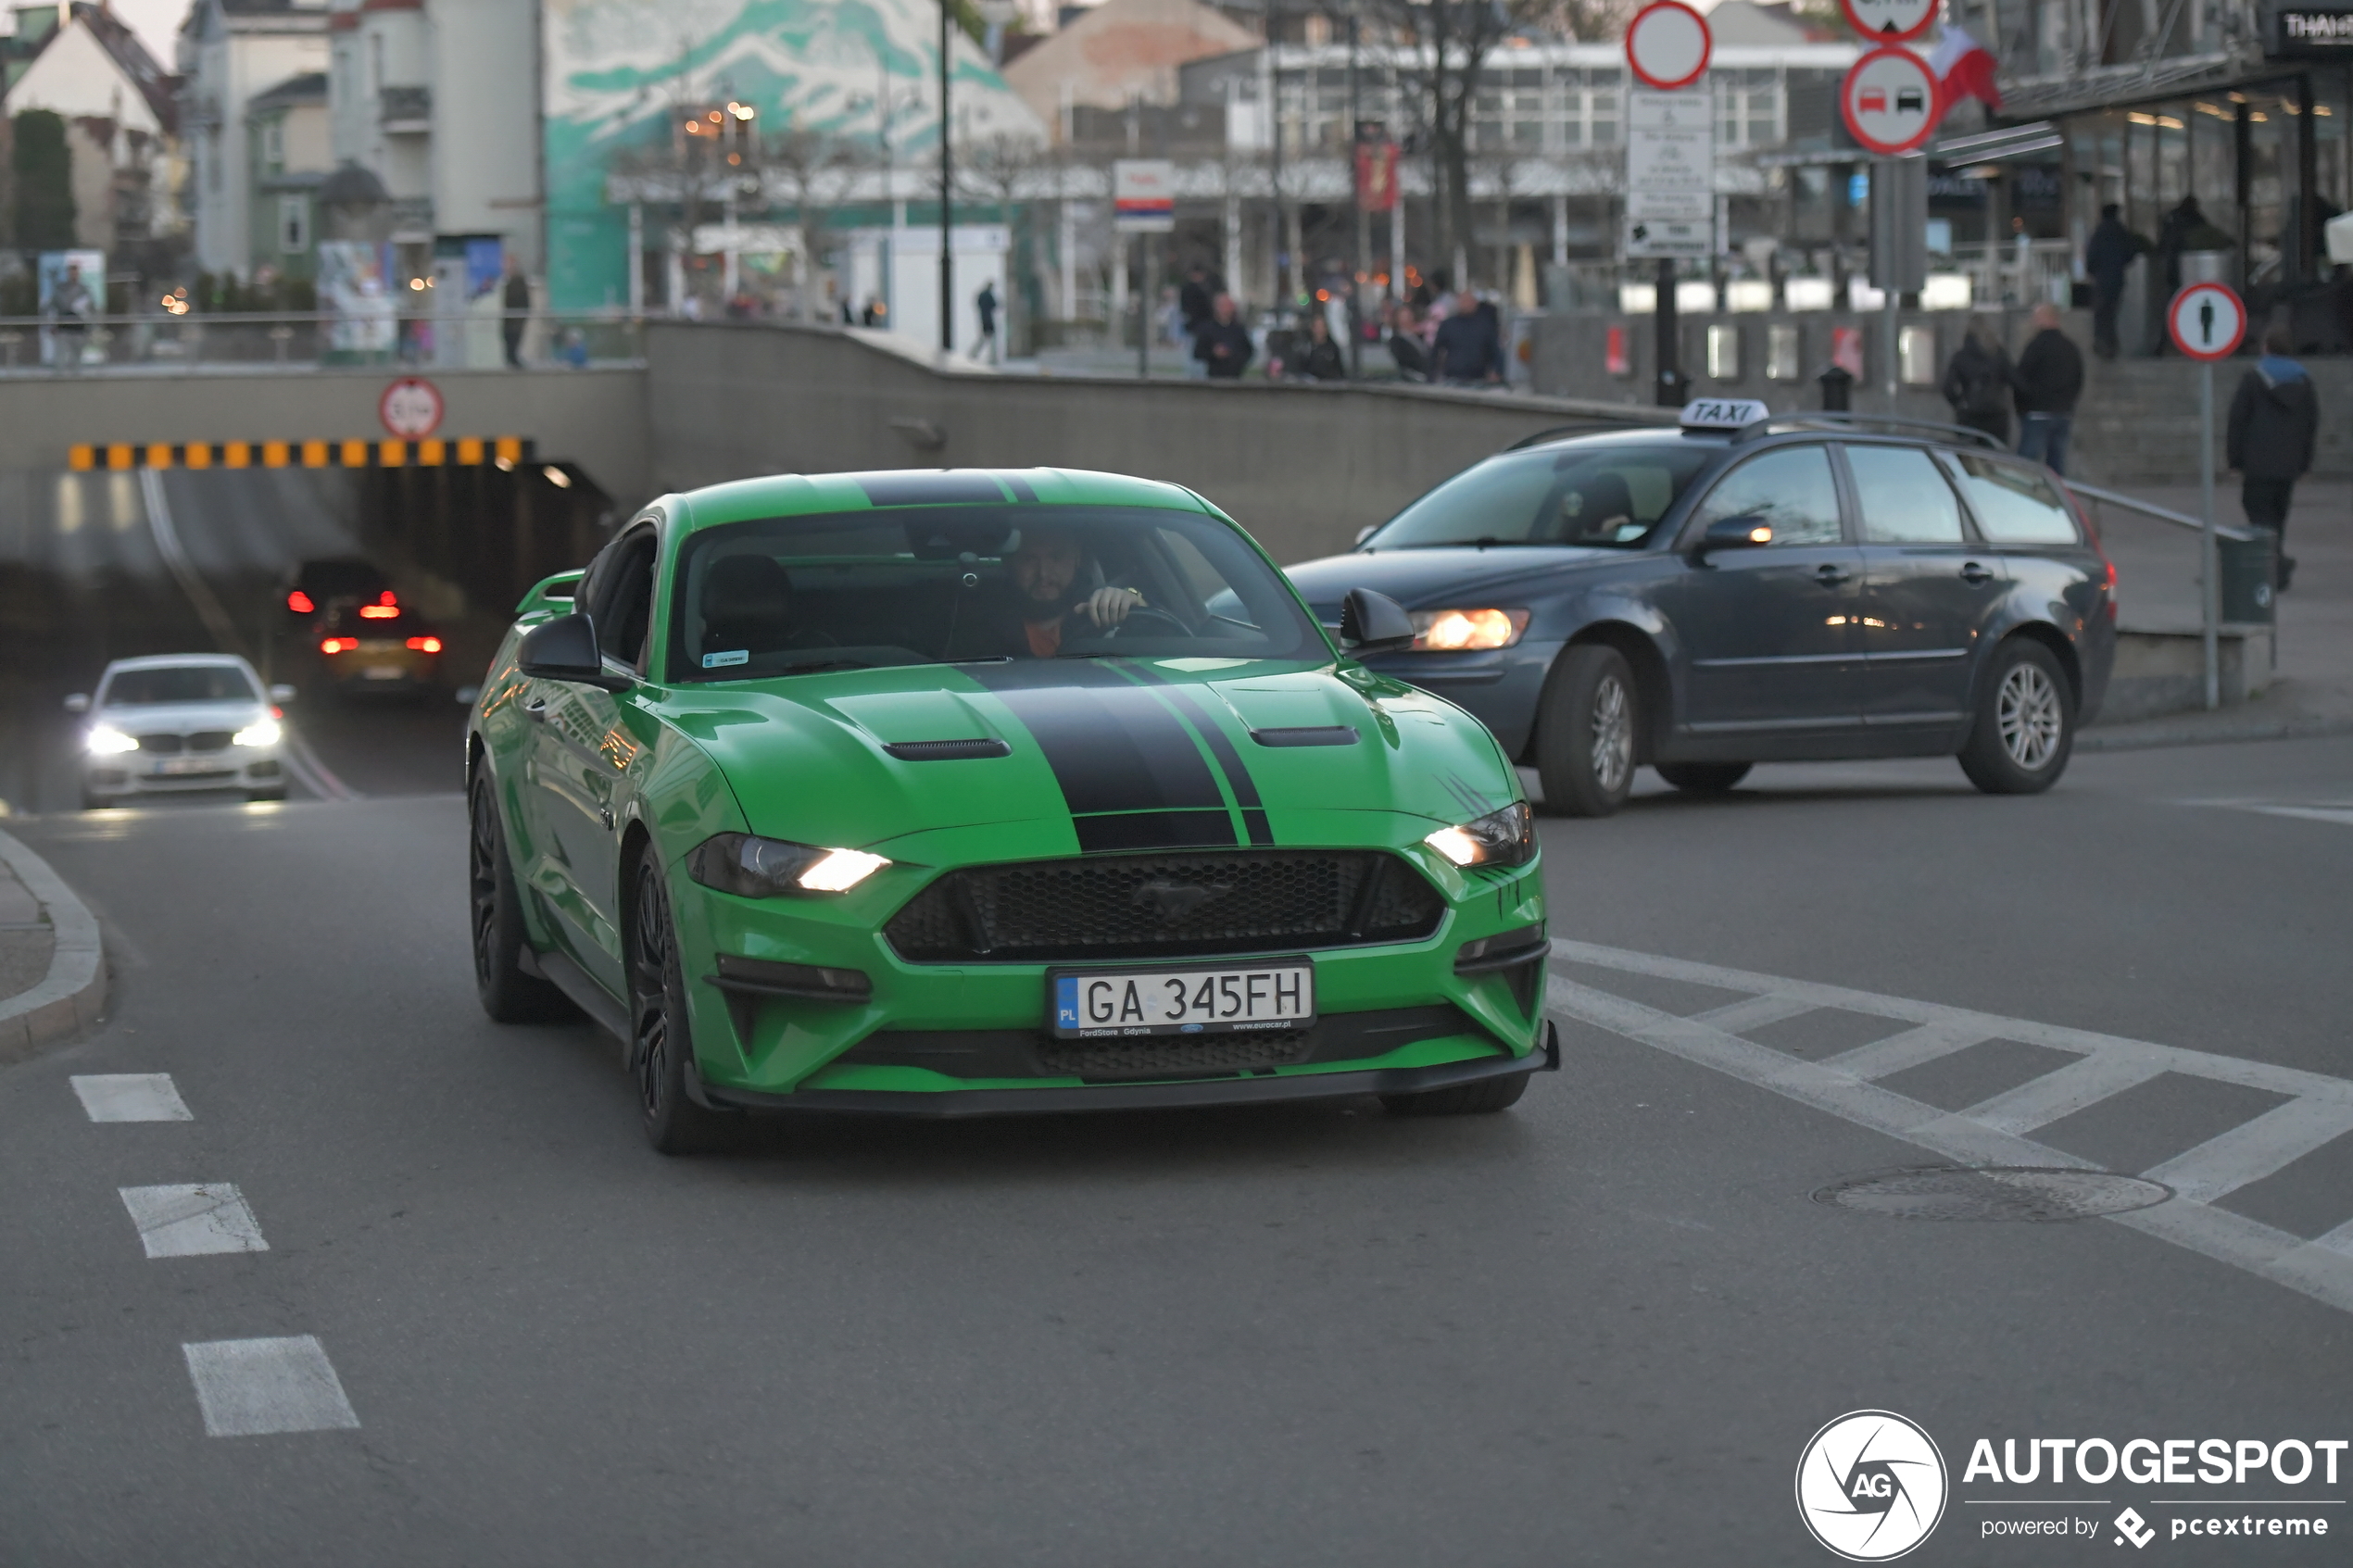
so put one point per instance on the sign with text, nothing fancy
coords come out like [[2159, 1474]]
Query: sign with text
[[2309, 33], [1143, 195], [1670, 174], [410, 407]]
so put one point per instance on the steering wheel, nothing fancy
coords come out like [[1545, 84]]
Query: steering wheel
[[1142, 614]]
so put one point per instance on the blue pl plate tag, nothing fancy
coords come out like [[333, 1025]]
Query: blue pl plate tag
[[1067, 1002]]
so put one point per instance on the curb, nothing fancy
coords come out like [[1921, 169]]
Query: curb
[[2150, 734], [72, 995]]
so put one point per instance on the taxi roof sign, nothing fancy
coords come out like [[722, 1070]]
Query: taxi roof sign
[[1724, 413]]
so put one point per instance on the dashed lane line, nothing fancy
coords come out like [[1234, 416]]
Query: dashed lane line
[[2317, 1109], [2338, 813], [192, 1221], [254, 1387], [131, 1097]]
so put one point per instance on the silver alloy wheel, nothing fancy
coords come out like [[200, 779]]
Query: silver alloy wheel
[[1613, 734], [2028, 711]]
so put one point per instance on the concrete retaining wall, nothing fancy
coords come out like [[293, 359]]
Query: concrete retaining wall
[[1301, 467]]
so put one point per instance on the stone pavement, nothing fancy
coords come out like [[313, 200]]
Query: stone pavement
[[53, 971]]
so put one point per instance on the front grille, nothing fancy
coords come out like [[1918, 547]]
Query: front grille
[[1186, 1053], [209, 740], [163, 745], [1155, 906]]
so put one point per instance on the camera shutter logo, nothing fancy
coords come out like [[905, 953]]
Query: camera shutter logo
[[1872, 1485]]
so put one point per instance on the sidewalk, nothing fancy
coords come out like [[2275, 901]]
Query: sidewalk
[[53, 974], [2157, 566]]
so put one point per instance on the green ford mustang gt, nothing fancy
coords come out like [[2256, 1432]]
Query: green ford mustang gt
[[969, 791]]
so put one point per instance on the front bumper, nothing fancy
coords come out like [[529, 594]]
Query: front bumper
[[237, 767], [1165, 1095]]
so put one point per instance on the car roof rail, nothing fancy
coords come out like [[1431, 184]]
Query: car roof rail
[[1580, 428], [1891, 424]]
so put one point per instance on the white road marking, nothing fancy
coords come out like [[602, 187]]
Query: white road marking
[[311, 773], [2338, 813], [188, 1222], [250, 1388], [1755, 1012], [131, 1097], [207, 603], [2318, 1108]]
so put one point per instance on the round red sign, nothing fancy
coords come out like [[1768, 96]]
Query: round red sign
[[1667, 44], [410, 407], [1889, 100], [2207, 321], [1889, 22]]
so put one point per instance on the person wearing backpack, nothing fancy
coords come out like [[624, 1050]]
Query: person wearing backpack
[[1977, 383]]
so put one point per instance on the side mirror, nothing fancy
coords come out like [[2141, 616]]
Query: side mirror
[[1371, 622], [78, 703], [1366, 532], [282, 694], [565, 650], [1735, 533]]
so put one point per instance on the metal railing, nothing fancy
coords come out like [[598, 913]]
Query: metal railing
[[199, 344], [2209, 569]]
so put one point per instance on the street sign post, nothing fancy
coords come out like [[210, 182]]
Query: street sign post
[[1667, 44], [1889, 22], [1143, 201], [1889, 102], [2208, 322], [1670, 202]]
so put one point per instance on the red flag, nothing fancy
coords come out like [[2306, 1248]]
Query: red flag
[[1964, 68]]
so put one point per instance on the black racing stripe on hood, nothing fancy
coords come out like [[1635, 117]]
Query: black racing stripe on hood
[[1113, 746], [1154, 830], [1229, 760]]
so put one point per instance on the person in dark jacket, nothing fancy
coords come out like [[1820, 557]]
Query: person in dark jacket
[[1223, 344], [1320, 360], [515, 313], [2274, 416], [2107, 256], [1467, 352], [1977, 383], [2048, 380]]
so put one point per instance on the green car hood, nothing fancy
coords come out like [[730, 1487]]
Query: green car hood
[[1099, 755]]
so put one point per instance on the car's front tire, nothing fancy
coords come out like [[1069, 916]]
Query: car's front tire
[[1484, 1097], [1703, 778], [494, 911], [661, 1046], [2025, 727], [1585, 737]]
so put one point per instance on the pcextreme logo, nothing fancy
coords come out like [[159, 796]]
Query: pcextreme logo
[[1870, 1485]]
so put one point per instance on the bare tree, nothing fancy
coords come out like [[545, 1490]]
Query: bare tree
[[810, 171], [1011, 172]]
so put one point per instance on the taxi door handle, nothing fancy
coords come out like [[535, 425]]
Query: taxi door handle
[[1829, 575], [1974, 573]]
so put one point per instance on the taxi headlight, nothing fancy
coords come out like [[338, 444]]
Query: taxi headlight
[[107, 741], [1499, 839], [261, 731], [765, 867], [1455, 630]]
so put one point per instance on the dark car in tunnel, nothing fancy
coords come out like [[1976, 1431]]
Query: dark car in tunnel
[[1748, 589], [380, 647]]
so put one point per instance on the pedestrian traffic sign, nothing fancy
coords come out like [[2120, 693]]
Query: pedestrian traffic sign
[[1667, 44], [2207, 321], [1889, 101], [1889, 22]]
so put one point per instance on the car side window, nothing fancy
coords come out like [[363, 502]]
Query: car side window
[[2014, 504], [1789, 487], [624, 602], [1904, 498]]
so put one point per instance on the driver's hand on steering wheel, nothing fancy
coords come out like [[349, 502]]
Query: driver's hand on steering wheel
[[1108, 607]]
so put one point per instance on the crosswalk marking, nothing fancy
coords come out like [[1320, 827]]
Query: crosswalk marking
[[131, 1097], [2317, 1109], [253, 1387], [191, 1221]]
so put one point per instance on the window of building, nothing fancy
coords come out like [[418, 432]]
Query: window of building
[[293, 225]]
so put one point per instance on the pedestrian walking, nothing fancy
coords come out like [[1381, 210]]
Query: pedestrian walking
[[2106, 256], [986, 302], [1977, 383], [1222, 346], [515, 313], [1196, 306], [1467, 352], [2274, 416], [2048, 380]]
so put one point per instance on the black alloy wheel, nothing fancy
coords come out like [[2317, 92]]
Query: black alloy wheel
[[494, 911], [1585, 732], [662, 1038], [1703, 778], [2025, 726]]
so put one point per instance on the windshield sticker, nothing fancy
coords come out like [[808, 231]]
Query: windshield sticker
[[721, 661]]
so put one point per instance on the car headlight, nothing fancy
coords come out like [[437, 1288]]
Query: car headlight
[[1499, 839], [1454, 631], [261, 731], [765, 867], [107, 741]]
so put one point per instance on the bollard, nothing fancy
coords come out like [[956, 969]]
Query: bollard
[[1838, 385]]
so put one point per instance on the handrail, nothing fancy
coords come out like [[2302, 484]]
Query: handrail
[[2164, 514]]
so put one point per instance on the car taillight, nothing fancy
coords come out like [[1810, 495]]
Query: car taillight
[[387, 597], [379, 612], [299, 602], [337, 644], [425, 644]]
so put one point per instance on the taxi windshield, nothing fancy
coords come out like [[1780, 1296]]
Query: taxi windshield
[[853, 590], [1608, 496]]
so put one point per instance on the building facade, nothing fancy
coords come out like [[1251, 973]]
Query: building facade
[[231, 51]]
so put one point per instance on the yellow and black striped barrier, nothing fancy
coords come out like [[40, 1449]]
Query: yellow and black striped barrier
[[434, 452]]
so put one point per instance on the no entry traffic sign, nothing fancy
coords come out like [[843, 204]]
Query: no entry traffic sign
[[1888, 21], [410, 407], [2207, 321], [1889, 99], [1667, 44]]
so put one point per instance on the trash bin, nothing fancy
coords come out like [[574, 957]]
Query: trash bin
[[2246, 573]]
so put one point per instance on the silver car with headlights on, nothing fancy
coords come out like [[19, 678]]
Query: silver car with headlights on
[[175, 723]]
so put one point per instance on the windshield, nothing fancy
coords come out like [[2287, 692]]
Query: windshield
[[1611, 496], [853, 590], [183, 682]]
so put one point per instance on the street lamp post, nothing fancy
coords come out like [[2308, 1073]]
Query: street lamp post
[[947, 184]]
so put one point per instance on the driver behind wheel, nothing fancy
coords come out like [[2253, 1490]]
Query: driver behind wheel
[[1057, 588]]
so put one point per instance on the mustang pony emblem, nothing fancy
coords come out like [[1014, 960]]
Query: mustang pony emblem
[[1172, 901]]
